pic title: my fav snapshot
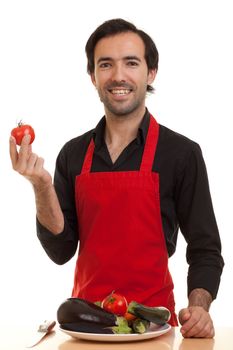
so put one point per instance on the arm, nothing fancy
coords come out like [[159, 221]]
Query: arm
[[48, 209], [62, 247], [198, 225], [31, 167], [201, 298], [55, 233]]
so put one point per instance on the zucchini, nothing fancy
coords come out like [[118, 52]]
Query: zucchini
[[140, 326], [159, 315]]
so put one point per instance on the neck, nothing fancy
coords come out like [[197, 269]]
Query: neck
[[122, 130]]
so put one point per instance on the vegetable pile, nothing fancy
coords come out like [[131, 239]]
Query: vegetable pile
[[111, 316]]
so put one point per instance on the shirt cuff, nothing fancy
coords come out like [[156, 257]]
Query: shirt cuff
[[206, 278], [45, 235]]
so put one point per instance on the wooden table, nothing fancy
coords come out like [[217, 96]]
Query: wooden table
[[17, 337]]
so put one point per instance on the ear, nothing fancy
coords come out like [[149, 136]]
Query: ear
[[151, 75], [93, 79]]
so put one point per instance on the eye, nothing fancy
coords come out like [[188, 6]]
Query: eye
[[104, 65], [132, 63]]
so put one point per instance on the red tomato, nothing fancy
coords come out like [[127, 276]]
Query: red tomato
[[115, 303], [20, 131]]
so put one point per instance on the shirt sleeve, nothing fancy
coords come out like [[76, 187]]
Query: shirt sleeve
[[62, 247], [198, 224]]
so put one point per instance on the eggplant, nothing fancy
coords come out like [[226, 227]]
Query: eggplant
[[74, 310], [98, 328], [159, 315], [87, 327]]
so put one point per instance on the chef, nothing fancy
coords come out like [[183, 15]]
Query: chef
[[123, 190]]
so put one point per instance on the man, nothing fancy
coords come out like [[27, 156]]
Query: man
[[123, 189]]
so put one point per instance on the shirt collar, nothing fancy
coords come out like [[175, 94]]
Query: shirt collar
[[98, 132]]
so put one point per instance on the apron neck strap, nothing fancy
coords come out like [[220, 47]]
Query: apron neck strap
[[148, 154], [86, 168], [150, 145]]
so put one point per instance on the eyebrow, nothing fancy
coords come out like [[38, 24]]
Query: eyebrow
[[126, 58]]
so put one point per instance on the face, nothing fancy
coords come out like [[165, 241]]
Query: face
[[121, 74]]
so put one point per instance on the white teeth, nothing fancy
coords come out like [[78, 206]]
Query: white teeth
[[120, 92]]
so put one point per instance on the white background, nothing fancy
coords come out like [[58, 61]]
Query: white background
[[43, 81]]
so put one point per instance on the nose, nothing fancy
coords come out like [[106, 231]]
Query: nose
[[118, 73]]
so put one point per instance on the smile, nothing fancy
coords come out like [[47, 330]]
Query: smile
[[120, 91]]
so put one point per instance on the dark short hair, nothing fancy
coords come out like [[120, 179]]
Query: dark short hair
[[116, 26]]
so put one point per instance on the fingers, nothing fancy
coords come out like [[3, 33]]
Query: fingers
[[31, 163], [190, 327], [198, 325], [19, 159], [24, 161], [207, 331], [28, 164], [25, 148], [13, 151], [184, 315]]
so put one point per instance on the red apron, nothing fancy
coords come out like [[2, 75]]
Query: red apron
[[122, 244]]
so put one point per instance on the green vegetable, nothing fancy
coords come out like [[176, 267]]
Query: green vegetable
[[98, 303], [122, 326], [140, 326], [158, 315]]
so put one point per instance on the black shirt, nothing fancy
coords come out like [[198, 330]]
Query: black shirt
[[184, 198]]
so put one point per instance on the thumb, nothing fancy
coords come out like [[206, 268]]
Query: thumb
[[184, 315]]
